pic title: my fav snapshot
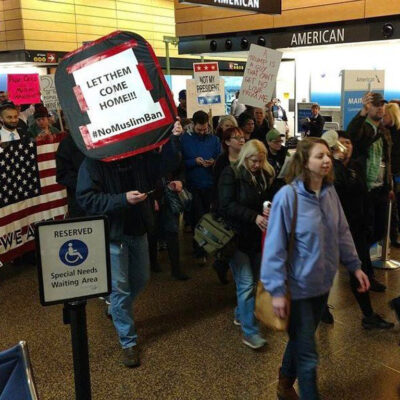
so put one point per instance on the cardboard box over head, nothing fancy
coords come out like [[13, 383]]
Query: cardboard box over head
[[115, 98]]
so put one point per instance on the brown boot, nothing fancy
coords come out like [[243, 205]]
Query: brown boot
[[285, 388]]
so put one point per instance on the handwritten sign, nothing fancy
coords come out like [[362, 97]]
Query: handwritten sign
[[206, 76], [23, 88], [48, 92], [259, 76]]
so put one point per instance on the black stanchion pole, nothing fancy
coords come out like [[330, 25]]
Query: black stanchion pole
[[75, 315]]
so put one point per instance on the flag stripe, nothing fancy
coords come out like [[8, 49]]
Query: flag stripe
[[24, 204], [51, 180], [47, 165], [46, 157], [33, 209], [47, 172], [33, 216], [47, 148], [51, 188]]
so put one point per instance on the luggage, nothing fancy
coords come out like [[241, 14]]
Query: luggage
[[213, 234]]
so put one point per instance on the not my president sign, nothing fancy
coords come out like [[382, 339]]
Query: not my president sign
[[111, 88], [206, 76]]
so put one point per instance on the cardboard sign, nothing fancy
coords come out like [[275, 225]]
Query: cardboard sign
[[23, 88], [115, 97], [206, 76], [192, 104], [260, 75], [73, 259], [48, 92]]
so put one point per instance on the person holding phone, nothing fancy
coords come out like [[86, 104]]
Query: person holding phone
[[200, 149], [119, 189]]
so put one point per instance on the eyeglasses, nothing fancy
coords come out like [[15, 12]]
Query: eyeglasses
[[238, 138], [277, 141]]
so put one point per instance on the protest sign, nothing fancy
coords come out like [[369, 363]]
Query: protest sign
[[206, 76], [23, 88], [48, 92], [192, 104], [259, 76], [115, 97]]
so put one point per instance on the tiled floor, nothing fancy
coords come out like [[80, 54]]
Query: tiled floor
[[190, 347]]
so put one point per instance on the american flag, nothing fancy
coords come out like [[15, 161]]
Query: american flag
[[29, 193]]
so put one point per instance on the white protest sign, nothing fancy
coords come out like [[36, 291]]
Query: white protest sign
[[48, 92], [192, 104], [74, 259], [117, 99], [259, 76], [206, 76]]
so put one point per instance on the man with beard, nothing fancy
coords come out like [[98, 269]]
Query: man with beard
[[372, 148], [9, 119]]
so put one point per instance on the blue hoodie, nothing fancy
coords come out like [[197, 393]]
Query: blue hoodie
[[206, 146], [322, 239]]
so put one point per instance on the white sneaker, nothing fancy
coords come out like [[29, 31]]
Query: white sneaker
[[254, 341]]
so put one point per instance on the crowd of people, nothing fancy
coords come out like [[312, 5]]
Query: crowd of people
[[339, 190]]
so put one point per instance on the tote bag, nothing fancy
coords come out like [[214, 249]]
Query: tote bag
[[263, 310]]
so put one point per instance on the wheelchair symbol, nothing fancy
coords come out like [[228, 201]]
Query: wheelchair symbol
[[73, 252]]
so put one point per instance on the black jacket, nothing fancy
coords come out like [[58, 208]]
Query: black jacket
[[277, 160], [362, 135], [353, 192], [395, 135], [240, 201], [100, 190], [315, 126], [68, 160], [260, 131]]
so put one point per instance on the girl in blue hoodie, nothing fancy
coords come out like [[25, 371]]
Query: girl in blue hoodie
[[322, 240]]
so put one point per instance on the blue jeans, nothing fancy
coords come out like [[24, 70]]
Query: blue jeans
[[245, 270], [301, 358], [130, 271]]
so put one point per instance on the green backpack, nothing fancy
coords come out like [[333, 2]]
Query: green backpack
[[214, 235]]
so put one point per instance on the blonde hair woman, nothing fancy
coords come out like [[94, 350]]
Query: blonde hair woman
[[225, 122], [392, 116], [242, 190]]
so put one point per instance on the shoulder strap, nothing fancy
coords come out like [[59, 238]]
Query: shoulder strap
[[293, 226]]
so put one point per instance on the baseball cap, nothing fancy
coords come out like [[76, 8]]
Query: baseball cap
[[377, 99], [272, 135]]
